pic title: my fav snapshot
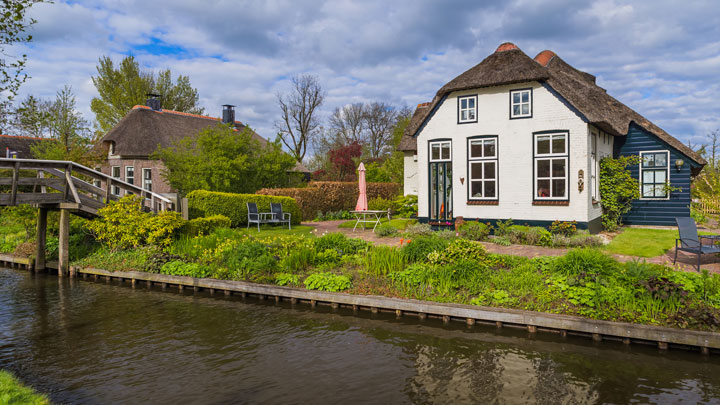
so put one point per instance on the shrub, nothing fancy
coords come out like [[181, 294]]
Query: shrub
[[446, 234], [234, 206], [406, 206], [418, 229], [157, 260], [382, 260], [286, 278], [414, 275], [326, 281], [474, 230], [618, 188], [121, 225], [458, 251], [385, 229], [340, 243], [417, 250], [379, 204], [502, 227], [179, 268], [502, 241], [333, 215], [298, 260], [563, 228], [585, 262], [205, 225]]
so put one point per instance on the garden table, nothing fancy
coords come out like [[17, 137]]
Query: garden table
[[362, 218]]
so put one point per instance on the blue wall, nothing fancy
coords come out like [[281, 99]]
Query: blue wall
[[656, 212]]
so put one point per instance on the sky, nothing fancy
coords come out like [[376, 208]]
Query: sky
[[661, 58]]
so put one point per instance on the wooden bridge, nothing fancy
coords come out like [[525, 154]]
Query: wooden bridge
[[68, 187]]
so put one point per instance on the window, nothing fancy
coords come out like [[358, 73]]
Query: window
[[521, 103], [654, 170], [467, 109], [440, 151], [116, 174], [130, 174], [112, 148], [551, 166], [482, 165], [147, 179]]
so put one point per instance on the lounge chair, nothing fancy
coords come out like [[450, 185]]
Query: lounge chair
[[278, 216], [690, 242]]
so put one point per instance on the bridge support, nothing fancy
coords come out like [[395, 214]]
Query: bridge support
[[64, 248], [41, 239]]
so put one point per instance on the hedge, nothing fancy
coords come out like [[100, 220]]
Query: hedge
[[327, 196], [205, 225], [203, 203]]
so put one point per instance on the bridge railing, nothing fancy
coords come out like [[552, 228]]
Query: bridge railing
[[67, 180]]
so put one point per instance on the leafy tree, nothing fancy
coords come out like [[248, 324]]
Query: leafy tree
[[12, 31], [32, 117], [222, 159], [299, 122], [343, 161], [125, 86], [617, 189]]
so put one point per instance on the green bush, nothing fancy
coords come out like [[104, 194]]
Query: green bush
[[180, 268], [586, 262], [326, 281], [566, 228], [379, 204], [417, 250], [474, 230], [339, 242], [333, 215], [205, 225], [458, 251], [414, 275], [286, 278], [526, 235], [382, 260], [418, 229], [298, 260], [385, 229], [406, 206], [203, 203]]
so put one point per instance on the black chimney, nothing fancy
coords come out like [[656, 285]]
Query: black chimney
[[228, 114], [153, 101]]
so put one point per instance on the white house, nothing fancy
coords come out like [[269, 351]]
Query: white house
[[521, 138]]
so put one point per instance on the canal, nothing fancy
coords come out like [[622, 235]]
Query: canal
[[93, 343]]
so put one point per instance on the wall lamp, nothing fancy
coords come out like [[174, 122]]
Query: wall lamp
[[679, 164]]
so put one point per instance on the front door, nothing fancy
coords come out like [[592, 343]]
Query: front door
[[440, 180]]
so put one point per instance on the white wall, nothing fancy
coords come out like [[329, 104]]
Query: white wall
[[410, 170], [515, 145], [604, 149]]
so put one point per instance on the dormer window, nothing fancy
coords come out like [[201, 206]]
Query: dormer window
[[521, 103], [112, 148], [467, 109]]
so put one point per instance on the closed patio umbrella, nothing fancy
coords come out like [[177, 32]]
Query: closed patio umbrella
[[362, 198]]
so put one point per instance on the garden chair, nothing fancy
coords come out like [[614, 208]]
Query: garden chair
[[690, 242], [279, 216], [255, 217]]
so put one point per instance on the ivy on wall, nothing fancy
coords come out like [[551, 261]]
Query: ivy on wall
[[617, 189]]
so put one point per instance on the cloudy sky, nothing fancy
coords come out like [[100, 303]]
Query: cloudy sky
[[662, 58]]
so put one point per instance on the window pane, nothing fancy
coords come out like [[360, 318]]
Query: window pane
[[463, 103], [543, 144], [489, 170], [463, 115], [660, 191], [660, 176], [435, 154], [526, 109], [558, 188], [489, 148], [472, 115], [558, 144], [661, 160], [471, 102], [648, 160], [446, 151], [476, 189], [543, 168], [476, 148], [648, 176], [489, 189], [543, 188], [516, 109], [476, 171], [648, 190], [116, 171], [516, 98], [558, 168], [525, 96]]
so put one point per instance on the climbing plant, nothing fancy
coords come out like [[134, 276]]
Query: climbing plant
[[617, 189]]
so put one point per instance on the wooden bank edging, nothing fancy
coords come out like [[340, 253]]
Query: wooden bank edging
[[563, 324]]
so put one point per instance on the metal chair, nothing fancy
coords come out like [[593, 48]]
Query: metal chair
[[279, 216], [254, 217], [690, 242]]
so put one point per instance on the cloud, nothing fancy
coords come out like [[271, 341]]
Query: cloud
[[660, 59]]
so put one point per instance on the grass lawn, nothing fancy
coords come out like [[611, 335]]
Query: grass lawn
[[13, 391], [399, 223], [271, 230], [644, 242]]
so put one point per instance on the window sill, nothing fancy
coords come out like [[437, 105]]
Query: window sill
[[550, 202], [482, 202]]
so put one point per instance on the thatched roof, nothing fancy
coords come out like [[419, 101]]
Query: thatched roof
[[510, 65], [20, 144], [143, 130]]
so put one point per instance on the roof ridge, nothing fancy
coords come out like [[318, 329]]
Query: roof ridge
[[23, 137], [139, 106]]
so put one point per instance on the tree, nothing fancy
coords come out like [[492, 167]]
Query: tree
[[347, 124], [32, 117], [222, 159], [126, 86], [380, 119], [12, 31], [299, 122]]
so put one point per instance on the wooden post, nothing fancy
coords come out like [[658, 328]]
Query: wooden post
[[446, 319], [64, 248], [532, 328], [14, 185], [470, 321], [41, 239]]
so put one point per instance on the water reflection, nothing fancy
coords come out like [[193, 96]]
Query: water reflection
[[88, 342]]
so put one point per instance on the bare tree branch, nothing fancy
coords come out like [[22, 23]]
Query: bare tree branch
[[299, 122], [380, 119]]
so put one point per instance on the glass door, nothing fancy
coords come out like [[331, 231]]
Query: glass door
[[441, 206]]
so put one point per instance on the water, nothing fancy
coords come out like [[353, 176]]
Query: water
[[92, 343]]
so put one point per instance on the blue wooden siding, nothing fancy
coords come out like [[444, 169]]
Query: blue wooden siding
[[656, 212]]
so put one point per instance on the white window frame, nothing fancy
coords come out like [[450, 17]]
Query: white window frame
[[482, 160], [145, 179], [115, 190], [537, 157], [521, 103], [441, 143], [594, 166], [667, 173], [471, 110]]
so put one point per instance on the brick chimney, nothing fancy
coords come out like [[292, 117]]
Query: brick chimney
[[228, 116]]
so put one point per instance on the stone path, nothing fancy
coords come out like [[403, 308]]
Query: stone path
[[684, 262]]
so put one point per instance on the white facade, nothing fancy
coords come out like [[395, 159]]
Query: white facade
[[516, 187]]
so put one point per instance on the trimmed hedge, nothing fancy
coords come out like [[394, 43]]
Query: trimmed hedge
[[324, 196], [203, 203], [205, 225]]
